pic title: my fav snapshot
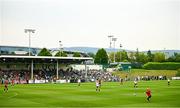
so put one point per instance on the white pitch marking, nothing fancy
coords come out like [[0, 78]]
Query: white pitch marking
[[13, 96]]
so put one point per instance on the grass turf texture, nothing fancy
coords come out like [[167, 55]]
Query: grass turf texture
[[112, 95], [143, 72]]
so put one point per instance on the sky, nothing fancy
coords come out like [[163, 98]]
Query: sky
[[142, 24]]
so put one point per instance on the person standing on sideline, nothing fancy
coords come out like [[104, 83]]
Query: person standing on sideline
[[79, 81], [6, 86], [148, 93], [12, 82], [97, 85], [135, 84], [168, 82], [121, 81]]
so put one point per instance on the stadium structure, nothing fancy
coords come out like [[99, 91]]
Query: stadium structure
[[15, 62]]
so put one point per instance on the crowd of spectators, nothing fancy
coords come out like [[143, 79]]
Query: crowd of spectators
[[17, 76], [89, 75], [66, 74], [47, 74]]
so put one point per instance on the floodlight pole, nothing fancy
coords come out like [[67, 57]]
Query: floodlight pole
[[60, 47], [29, 43], [110, 36], [120, 52], [114, 39], [29, 31]]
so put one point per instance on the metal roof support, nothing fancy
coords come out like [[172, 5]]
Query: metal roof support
[[57, 76], [85, 70], [32, 70]]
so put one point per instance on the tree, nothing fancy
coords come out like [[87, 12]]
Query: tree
[[91, 55], [150, 56], [124, 56], [76, 54], [159, 57], [44, 52], [132, 57], [171, 59], [61, 54], [101, 57], [137, 55], [111, 56], [177, 57], [143, 58], [174, 58]]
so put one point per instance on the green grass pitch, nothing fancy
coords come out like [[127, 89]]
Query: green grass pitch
[[112, 94]]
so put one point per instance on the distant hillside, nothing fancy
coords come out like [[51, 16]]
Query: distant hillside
[[87, 49], [94, 50]]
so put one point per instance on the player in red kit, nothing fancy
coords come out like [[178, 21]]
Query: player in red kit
[[12, 82], [148, 93], [6, 86]]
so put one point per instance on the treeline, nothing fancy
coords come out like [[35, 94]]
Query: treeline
[[46, 52], [139, 59], [142, 57]]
